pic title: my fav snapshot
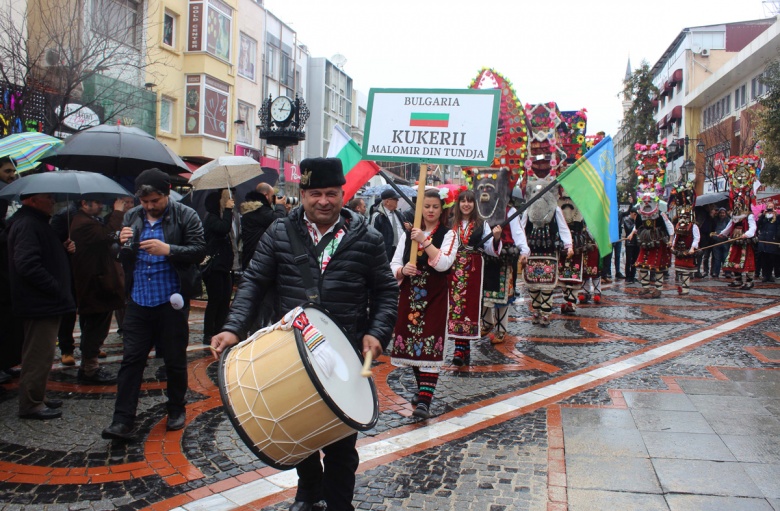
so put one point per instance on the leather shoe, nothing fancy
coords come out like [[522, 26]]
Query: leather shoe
[[299, 505], [100, 377], [53, 403], [176, 421], [118, 431], [43, 414], [67, 359], [620, 276]]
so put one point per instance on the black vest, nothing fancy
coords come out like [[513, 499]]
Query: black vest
[[436, 240]]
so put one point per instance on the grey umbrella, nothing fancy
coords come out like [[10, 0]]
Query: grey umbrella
[[66, 185], [114, 151]]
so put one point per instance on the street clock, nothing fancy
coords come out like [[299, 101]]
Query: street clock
[[282, 110]]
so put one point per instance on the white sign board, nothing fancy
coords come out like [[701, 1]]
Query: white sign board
[[454, 126], [79, 117]]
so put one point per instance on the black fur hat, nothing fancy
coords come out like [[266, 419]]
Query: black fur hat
[[321, 173]]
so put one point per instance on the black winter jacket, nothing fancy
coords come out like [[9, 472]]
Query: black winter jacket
[[39, 267], [357, 287], [256, 217], [183, 231], [216, 230]]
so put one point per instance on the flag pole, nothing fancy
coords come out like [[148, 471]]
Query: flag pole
[[395, 187], [418, 208], [521, 209]]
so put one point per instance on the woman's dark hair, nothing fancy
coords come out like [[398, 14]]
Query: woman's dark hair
[[464, 196], [211, 203], [434, 194]]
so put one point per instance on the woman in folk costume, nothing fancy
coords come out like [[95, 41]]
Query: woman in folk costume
[[494, 187], [591, 274], [653, 228], [570, 268], [419, 334], [466, 275], [741, 171], [686, 236]]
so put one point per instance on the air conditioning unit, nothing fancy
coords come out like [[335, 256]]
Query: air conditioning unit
[[51, 58], [705, 52]]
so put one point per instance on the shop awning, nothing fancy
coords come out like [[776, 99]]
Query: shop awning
[[677, 77], [675, 114]]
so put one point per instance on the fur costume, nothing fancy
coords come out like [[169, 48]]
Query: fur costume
[[741, 172], [653, 228], [686, 235]]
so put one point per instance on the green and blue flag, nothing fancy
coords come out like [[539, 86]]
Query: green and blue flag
[[591, 183]]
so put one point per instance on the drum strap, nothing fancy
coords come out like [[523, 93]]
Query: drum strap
[[302, 258]]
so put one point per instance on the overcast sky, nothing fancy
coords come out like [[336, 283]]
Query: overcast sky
[[572, 52]]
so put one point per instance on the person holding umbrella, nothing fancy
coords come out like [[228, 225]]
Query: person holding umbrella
[[162, 245], [40, 280], [219, 250]]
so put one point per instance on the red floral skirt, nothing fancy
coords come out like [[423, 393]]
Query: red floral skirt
[[592, 260], [465, 296], [418, 336]]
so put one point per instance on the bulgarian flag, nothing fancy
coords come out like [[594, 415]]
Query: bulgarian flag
[[356, 170], [429, 119]]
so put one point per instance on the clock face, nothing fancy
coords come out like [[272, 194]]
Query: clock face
[[281, 109]]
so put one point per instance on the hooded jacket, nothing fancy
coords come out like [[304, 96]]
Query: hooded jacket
[[256, 215], [357, 287]]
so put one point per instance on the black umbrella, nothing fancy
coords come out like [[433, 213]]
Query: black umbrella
[[113, 151], [66, 185], [711, 198]]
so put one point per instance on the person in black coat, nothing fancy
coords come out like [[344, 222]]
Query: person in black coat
[[162, 245], [354, 284], [259, 209], [632, 244], [768, 231], [40, 279], [217, 225]]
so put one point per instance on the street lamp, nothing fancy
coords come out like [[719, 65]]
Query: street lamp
[[687, 165]]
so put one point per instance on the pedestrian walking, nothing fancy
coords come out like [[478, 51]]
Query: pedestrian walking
[[347, 261], [162, 246]]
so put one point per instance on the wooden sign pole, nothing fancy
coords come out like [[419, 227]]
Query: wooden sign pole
[[418, 208]]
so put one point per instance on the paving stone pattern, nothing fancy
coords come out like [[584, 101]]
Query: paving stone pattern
[[664, 425]]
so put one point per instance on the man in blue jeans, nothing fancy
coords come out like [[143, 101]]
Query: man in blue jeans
[[162, 245]]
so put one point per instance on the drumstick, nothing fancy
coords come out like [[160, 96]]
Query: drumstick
[[366, 372]]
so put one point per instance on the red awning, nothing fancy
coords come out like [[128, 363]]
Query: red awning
[[676, 77], [676, 113], [662, 123]]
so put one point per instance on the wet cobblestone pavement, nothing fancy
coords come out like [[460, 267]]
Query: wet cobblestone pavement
[[615, 407]]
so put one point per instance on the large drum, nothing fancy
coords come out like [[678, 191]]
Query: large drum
[[295, 387]]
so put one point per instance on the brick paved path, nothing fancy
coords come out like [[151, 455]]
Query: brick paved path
[[630, 404]]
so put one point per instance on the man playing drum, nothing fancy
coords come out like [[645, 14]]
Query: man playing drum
[[358, 290]]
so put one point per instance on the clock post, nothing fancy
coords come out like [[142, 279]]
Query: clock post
[[282, 122]]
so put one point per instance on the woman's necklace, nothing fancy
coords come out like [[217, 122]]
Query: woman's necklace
[[420, 248], [465, 234]]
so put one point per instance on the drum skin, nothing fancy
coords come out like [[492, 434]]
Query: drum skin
[[277, 403]]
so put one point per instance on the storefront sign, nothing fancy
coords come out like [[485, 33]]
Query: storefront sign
[[195, 38], [79, 117]]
